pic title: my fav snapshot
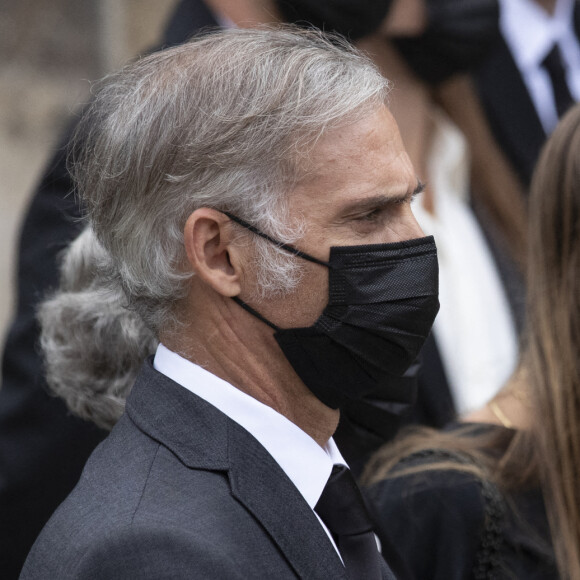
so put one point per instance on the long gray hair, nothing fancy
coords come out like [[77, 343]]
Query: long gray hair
[[92, 344], [226, 121]]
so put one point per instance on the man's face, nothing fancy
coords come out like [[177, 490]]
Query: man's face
[[358, 191]]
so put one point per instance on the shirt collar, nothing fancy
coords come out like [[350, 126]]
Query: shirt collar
[[306, 463], [530, 31]]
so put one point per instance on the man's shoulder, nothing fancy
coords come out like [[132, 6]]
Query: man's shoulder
[[179, 487], [137, 507], [137, 550]]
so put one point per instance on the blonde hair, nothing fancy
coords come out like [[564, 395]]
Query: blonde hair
[[553, 350]]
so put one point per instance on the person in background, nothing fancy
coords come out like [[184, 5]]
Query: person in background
[[499, 495], [502, 73], [530, 77]]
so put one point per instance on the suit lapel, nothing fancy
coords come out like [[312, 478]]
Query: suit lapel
[[264, 489], [202, 437], [191, 428], [509, 109]]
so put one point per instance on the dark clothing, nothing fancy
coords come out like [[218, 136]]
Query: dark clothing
[[42, 447], [179, 490], [456, 38], [189, 18], [351, 18], [509, 109], [447, 524]]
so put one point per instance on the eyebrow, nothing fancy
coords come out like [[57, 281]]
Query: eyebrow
[[382, 200]]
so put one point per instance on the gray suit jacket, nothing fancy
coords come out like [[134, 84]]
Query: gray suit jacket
[[178, 490]]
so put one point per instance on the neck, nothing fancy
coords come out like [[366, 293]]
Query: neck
[[510, 407], [228, 342]]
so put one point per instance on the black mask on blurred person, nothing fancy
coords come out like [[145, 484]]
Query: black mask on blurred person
[[459, 34], [383, 299], [351, 19]]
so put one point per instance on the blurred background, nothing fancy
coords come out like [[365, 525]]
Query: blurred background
[[49, 54]]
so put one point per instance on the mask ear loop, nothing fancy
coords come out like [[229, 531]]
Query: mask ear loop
[[249, 309], [277, 243]]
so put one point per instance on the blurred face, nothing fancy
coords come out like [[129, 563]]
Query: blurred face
[[358, 191]]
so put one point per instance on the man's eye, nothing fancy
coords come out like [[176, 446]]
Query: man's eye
[[371, 216]]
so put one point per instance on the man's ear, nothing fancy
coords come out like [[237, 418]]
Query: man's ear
[[207, 239]]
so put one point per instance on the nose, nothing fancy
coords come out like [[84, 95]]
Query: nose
[[412, 229]]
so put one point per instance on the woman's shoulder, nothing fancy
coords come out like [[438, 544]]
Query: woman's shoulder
[[437, 512], [433, 482]]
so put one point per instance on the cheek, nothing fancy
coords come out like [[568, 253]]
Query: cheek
[[303, 307], [317, 295]]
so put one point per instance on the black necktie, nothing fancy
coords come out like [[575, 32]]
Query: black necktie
[[342, 509], [555, 68]]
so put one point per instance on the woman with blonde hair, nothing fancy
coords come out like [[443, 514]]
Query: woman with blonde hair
[[498, 495]]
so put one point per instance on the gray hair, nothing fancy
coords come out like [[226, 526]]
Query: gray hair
[[226, 121], [93, 346]]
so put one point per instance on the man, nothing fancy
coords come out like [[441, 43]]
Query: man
[[254, 195], [43, 448], [531, 76]]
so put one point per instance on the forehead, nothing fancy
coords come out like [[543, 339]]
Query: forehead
[[365, 159]]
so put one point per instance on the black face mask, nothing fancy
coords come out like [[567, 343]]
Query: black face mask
[[459, 35], [369, 422], [383, 299]]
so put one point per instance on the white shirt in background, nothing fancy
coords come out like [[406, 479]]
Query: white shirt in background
[[474, 329]]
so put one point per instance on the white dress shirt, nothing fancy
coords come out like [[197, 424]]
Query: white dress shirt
[[474, 329], [530, 33], [307, 464]]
